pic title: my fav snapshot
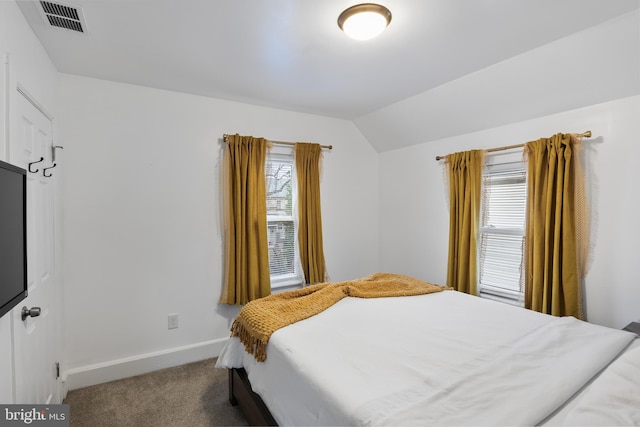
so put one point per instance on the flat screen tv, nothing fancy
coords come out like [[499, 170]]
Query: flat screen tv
[[13, 236]]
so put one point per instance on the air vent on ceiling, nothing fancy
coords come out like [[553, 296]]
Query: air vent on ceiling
[[63, 16]]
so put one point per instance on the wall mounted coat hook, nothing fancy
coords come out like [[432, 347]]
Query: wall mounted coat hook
[[33, 163], [44, 170], [53, 151]]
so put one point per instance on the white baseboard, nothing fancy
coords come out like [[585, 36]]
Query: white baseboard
[[98, 373]]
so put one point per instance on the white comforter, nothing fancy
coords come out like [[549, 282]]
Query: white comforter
[[614, 397], [445, 358]]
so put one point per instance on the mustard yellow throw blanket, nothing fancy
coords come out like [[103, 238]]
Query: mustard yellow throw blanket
[[262, 317]]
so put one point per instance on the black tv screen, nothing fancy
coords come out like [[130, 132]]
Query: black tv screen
[[13, 236]]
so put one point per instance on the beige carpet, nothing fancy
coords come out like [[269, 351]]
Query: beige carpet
[[191, 395]]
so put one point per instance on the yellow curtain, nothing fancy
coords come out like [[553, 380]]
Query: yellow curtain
[[307, 157], [465, 185], [552, 278], [245, 220]]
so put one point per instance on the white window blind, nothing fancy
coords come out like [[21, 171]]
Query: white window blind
[[283, 252], [502, 236]]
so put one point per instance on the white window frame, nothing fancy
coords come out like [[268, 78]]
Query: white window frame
[[295, 279], [511, 165]]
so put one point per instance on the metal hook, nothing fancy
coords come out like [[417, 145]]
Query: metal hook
[[53, 151], [33, 163], [44, 171]]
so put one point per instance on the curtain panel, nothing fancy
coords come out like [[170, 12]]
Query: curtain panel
[[465, 185], [307, 160], [552, 267], [245, 220]]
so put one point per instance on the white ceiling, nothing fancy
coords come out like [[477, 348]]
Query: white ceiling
[[290, 54]]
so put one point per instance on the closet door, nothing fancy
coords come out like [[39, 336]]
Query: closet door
[[36, 339]]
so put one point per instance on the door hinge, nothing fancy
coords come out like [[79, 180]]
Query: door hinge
[[57, 370]]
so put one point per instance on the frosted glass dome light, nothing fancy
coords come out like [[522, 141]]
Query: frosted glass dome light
[[364, 21]]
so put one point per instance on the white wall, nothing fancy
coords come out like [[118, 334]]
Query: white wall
[[414, 215], [142, 219], [30, 66], [596, 65]]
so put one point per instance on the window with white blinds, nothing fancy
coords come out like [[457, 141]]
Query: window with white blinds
[[502, 234], [281, 226]]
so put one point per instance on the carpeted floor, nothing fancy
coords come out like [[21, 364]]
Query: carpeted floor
[[190, 395]]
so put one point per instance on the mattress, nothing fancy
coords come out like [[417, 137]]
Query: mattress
[[444, 358]]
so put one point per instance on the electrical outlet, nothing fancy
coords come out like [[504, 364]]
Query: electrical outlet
[[173, 321]]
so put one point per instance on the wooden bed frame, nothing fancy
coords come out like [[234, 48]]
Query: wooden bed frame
[[252, 406]]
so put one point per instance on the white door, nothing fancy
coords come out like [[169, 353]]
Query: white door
[[36, 339]]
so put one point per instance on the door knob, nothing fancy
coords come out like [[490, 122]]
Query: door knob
[[33, 312]]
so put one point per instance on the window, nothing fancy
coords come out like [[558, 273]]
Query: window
[[502, 231], [281, 226]]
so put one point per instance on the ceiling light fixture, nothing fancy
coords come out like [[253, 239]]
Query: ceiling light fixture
[[364, 21]]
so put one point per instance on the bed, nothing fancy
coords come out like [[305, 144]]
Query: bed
[[443, 358]]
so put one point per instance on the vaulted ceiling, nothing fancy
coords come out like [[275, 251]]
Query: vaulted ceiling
[[290, 54]]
